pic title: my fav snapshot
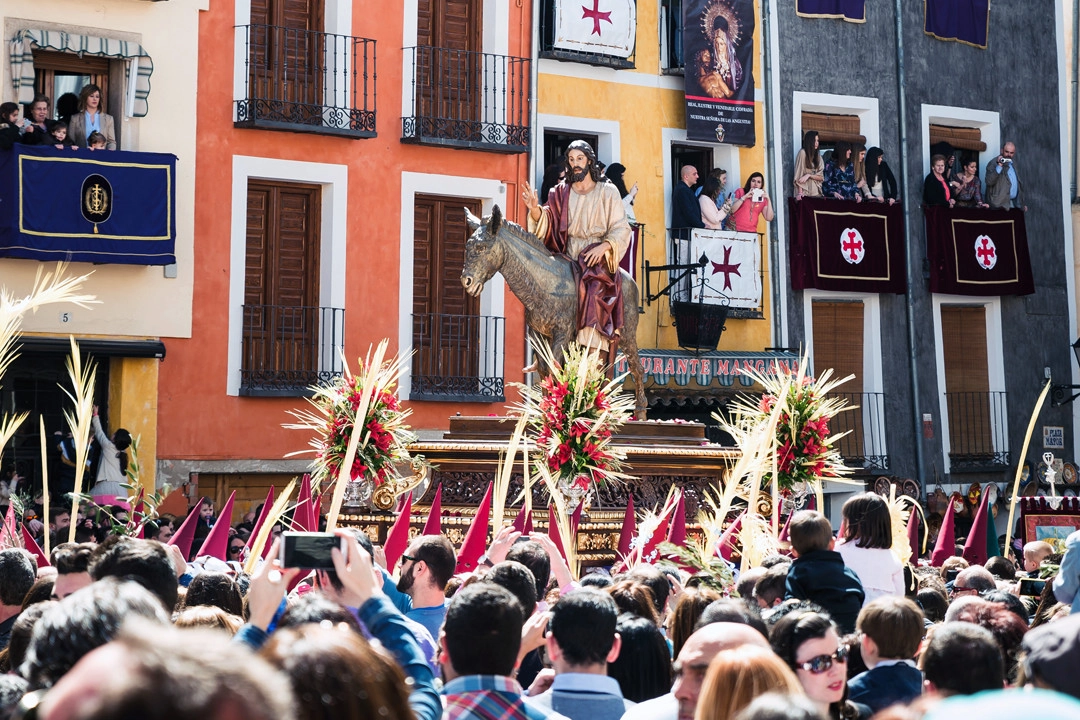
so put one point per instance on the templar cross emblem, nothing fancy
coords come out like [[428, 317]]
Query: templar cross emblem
[[596, 16], [985, 252], [727, 268], [852, 246]]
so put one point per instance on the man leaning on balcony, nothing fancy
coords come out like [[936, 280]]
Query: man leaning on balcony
[[584, 218], [1003, 187]]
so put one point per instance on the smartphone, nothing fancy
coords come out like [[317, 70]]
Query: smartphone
[[1032, 587], [309, 550]]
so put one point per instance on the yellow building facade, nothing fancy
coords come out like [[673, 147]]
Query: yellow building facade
[[638, 118]]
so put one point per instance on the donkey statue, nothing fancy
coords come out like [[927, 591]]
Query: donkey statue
[[545, 285]]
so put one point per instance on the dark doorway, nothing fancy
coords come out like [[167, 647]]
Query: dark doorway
[[33, 384], [699, 157], [556, 142]]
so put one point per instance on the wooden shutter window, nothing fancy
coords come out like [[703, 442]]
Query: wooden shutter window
[[963, 339], [838, 341], [967, 380], [834, 128], [445, 317], [838, 344], [961, 138]]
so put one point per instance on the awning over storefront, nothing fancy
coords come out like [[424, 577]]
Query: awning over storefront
[[718, 368], [97, 347], [137, 72]]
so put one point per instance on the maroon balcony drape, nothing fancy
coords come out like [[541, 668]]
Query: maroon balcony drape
[[847, 246], [978, 252]]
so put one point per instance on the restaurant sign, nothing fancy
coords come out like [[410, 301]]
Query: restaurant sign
[[725, 368]]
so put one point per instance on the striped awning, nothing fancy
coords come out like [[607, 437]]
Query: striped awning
[[137, 70]]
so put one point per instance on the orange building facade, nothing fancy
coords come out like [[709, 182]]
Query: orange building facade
[[337, 143]]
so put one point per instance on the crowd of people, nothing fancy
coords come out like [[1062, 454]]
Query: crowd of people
[[80, 122], [835, 627]]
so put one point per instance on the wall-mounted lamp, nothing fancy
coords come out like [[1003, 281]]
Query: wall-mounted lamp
[[1059, 394]]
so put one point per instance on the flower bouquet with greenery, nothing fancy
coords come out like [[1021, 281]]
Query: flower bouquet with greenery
[[798, 407], [571, 417], [361, 434]]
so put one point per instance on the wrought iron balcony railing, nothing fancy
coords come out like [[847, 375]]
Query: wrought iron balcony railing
[[287, 349], [306, 81], [458, 358], [978, 430], [864, 446], [467, 99]]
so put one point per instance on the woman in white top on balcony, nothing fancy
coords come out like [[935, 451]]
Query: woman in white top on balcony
[[866, 546], [712, 216], [112, 468], [90, 119]]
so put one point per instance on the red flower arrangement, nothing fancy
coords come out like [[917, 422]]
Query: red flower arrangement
[[572, 414], [805, 451], [383, 450]]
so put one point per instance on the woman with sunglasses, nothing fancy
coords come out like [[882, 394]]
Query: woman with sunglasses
[[809, 643]]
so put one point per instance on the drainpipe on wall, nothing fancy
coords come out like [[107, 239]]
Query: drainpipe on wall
[[909, 252], [1075, 96], [534, 146], [770, 157]]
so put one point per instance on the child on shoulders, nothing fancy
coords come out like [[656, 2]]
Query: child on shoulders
[[818, 573], [867, 546]]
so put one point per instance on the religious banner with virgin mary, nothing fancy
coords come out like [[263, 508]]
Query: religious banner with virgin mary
[[718, 48]]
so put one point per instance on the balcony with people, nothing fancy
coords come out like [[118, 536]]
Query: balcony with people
[[67, 193]]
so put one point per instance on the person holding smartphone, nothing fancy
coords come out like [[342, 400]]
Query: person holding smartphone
[[751, 203], [1003, 187]]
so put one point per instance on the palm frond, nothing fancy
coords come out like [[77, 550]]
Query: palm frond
[[281, 504], [50, 287], [44, 478], [501, 487], [83, 378], [563, 519]]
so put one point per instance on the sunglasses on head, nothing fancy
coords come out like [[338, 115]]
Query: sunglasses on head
[[822, 663]]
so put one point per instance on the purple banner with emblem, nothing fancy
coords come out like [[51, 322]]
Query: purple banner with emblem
[[850, 10], [847, 246], [718, 52], [965, 21], [978, 252]]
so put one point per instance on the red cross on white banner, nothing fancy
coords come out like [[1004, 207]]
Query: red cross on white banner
[[852, 246], [985, 252]]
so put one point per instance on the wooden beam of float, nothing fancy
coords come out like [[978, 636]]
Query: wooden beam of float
[[658, 455]]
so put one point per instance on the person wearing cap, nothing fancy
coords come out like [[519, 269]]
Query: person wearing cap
[[1051, 656]]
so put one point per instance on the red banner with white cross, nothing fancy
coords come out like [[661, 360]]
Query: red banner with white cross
[[978, 252], [847, 246]]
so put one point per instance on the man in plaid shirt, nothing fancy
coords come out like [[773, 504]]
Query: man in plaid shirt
[[480, 642]]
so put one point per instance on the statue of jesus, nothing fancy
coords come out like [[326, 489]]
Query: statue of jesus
[[584, 219]]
